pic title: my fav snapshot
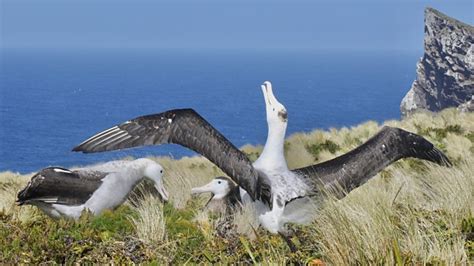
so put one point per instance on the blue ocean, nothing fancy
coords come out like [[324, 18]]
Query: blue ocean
[[51, 100]]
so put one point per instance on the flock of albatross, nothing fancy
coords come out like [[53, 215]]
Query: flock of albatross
[[280, 195]]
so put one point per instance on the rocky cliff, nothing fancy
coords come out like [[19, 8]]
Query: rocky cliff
[[445, 73]]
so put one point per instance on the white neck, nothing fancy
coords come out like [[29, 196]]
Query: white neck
[[273, 154], [219, 196]]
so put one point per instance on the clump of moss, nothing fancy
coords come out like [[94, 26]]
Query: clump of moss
[[252, 156], [439, 133], [467, 227], [328, 145], [470, 136], [199, 165]]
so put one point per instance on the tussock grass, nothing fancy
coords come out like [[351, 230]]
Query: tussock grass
[[411, 213], [10, 184], [246, 221], [184, 174], [149, 221], [417, 218]]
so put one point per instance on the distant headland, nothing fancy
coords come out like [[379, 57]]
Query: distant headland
[[445, 73]]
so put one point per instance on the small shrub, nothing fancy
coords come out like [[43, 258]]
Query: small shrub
[[328, 145], [439, 133]]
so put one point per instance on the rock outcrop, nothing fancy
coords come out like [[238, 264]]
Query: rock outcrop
[[467, 106], [445, 75]]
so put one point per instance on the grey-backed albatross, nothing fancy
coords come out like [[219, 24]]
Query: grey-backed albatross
[[61, 192]]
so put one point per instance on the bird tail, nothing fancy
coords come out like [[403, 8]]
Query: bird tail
[[22, 196]]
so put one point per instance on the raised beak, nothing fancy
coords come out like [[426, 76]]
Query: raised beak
[[268, 93], [203, 189], [161, 189], [264, 90]]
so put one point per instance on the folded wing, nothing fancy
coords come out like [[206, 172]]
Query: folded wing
[[55, 185]]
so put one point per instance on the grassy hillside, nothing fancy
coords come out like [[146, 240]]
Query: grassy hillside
[[412, 212]]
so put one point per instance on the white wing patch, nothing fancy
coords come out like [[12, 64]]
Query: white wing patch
[[46, 199], [100, 134], [115, 135], [59, 170]]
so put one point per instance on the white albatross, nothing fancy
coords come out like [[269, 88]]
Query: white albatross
[[268, 180], [61, 192]]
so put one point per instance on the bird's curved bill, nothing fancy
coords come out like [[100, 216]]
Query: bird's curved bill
[[163, 193], [268, 93], [199, 190]]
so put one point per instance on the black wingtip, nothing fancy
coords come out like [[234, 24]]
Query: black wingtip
[[419, 147], [77, 149], [84, 149], [21, 197], [439, 157], [434, 155]]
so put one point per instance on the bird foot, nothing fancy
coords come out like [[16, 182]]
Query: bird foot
[[290, 244]]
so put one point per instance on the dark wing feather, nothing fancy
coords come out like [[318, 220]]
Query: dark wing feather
[[186, 128], [62, 186], [354, 168]]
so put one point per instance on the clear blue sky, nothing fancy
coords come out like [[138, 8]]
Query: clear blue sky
[[224, 24]]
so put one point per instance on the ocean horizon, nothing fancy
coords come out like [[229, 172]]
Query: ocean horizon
[[51, 100]]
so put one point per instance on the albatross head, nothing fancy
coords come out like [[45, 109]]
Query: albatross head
[[276, 112], [219, 187], [154, 172]]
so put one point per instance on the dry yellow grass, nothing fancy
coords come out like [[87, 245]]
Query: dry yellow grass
[[184, 174], [418, 214], [149, 223]]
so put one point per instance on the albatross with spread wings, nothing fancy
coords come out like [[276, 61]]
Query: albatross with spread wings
[[268, 180]]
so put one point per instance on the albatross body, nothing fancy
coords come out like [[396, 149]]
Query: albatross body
[[63, 192], [268, 180]]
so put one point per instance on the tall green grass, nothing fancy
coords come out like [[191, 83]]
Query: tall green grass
[[411, 213]]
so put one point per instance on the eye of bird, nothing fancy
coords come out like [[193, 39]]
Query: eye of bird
[[218, 182], [161, 171]]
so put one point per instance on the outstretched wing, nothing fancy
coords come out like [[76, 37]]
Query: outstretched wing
[[61, 186], [354, 168], [186, 128]]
